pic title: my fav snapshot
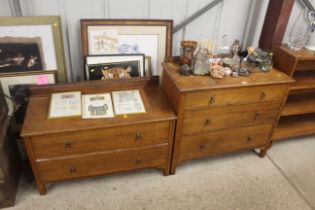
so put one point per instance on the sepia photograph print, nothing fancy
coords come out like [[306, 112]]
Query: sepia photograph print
[[21, 54]]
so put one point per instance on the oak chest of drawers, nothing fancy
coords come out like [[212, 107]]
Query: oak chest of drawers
[[69, 148], [219, 116]]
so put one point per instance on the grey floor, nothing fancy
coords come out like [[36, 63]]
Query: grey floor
[[284, 179]]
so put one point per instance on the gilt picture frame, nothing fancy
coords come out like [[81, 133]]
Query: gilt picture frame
[[151, 37], [30, 45]]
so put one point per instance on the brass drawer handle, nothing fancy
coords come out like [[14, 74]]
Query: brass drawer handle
[[67, 144], [263, 95], [208, 122], [138, 160], [138, 136], [72, 169], [249, 138], [212, 100], [203, 147]]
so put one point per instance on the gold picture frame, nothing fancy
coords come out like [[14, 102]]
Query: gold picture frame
[[50, 32]]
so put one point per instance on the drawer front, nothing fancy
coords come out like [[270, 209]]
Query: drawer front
[[224, 141], [99, 140], [102, 163], [196, 122], [234, 96]]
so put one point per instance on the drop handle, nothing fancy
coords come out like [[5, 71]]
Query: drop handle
[[212, 100], [72, 169], [138, 160], [138, 136], [263, 95], [249, 139], [203, 147], [257, 115], [67, 144], [208, 122]]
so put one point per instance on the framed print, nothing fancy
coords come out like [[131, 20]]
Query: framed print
[[16, 86], [30, 45], [147, 66], [65, 104], [128, 102], [150, 37], [97, 106], [117, 66]]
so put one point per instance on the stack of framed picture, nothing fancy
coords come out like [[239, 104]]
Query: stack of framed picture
[[31, 52], [116, 48]]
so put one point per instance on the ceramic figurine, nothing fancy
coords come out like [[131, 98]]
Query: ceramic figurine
[[202, 63], [185, 70], [187, 52], [235, 48]]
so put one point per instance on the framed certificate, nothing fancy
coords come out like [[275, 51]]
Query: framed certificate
[[128, 102], [65, 104]]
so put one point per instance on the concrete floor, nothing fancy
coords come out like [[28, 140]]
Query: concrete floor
[[284, 179]]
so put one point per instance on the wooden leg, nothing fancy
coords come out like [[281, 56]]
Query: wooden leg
[[166, 172], [41, 187], [264, 150], [172, 171]]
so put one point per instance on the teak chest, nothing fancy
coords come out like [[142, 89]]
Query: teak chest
[[69, 148], [219, 116]]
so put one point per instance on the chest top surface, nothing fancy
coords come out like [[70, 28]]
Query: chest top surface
[[37, 123], [195, 83]]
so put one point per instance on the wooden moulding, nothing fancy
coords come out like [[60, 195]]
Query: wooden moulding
[[275, 24], [97, 86]]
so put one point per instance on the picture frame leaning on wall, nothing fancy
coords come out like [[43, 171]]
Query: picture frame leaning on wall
[[128, 36], [32, 45]]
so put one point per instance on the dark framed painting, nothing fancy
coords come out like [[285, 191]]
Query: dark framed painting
[[105, 67]]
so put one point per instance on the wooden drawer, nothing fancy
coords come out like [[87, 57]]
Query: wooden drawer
[[196, 122], [102, 163], [234, 96], [224, 141], [57, 145]]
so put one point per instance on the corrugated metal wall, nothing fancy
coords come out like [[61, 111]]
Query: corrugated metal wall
[[240, 19]]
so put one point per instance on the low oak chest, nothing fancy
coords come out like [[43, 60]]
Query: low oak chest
[[219, 116], [69, 148]]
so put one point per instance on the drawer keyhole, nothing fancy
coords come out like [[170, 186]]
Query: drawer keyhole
[[68, 144], [72, 169], [208, 122], [249, 139], [203, 147], [212, 100], [138, 160], [263, 95], [138, 136]]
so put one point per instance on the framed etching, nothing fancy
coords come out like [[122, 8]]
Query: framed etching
[[128, 102], [116, 66], [31, 45], [115, 36]]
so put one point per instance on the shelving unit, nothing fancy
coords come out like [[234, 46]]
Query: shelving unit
[[298, 113]]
